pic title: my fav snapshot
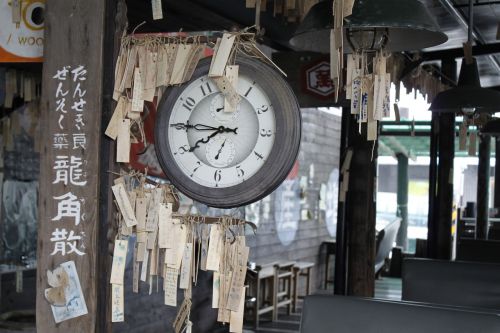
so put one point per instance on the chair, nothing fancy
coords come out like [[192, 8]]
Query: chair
[[283, 276], [301, 269]]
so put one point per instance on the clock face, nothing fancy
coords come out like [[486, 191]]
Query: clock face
[[228, 159], [216, 148]]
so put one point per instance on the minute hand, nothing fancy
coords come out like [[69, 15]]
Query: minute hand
[[221, 129]]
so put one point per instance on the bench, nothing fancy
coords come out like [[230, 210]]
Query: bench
[[301, 268], [456, 283], [341, 314]]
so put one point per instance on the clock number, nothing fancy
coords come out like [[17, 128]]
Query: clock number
[[239, 171], [266, 133], [248, 91], [207, 86], [217, 177], [262, 109], [182, 150], [189, 103], [259, 156], [198, 165]]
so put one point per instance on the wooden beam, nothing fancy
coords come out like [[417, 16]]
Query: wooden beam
[[68, 203]]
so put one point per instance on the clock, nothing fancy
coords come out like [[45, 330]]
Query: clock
[[228, 159]]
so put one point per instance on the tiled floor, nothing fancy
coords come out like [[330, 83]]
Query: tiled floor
[[385, 288]]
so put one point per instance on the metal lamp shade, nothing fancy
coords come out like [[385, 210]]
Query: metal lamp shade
[[408, 23], [468, 97], [491, 128]]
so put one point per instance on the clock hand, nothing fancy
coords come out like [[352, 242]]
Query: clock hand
[[220, 150], [198, 127], [219, 130], [219, 109]]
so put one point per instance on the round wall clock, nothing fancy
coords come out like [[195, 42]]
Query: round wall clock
[[228, 159]]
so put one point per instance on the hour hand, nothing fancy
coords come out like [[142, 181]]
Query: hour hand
[[199, 127]]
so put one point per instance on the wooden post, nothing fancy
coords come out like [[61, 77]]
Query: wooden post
[[69, 173], [483, 187], [496, 196], [433, 202], [361, 214]]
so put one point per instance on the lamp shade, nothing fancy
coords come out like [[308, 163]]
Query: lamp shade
[[407, 23], [492, 128], [468, 97]]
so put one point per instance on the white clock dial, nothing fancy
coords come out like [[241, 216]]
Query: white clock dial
[[220, 152], [198, 129]]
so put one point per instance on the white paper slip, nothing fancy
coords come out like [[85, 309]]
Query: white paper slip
[[124, 204], [119, 260]]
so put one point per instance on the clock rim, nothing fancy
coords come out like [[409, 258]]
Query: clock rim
[[278, 163]]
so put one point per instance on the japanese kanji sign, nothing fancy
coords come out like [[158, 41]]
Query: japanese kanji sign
[[71, 115]]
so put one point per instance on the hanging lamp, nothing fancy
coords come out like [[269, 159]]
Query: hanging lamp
[[468, 97], [395, 25]]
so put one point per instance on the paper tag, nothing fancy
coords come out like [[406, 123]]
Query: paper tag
[[16, 11], [171, 55], [170, 286], [137, 100], [173, 256], [378, 96], [129, 69], [141, 250], [182, 315], [238, 279], [386, 107], [165, 225], [236, 318], [221, 55], [157, 10], [372, 130], [124, 204], [119, 74], [180, 63], [119, 260], [162, 66], [186, 266], [117, 303], [214, 248], [140, 213], [153, 262], [123, 142]]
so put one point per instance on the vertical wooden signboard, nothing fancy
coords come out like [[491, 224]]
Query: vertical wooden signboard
[[68, 204]]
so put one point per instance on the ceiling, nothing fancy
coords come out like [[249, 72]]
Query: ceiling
[[198, 15]]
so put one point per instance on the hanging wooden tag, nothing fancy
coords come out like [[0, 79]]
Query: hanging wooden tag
[[117, 303], [462, 143], [27, 89], [472, 144], [153, 266], [194, 59], [116, 118], [162, 66], [221, 55], [372, 130], [144, 267], [182, 315], [119, 260], [215, 290], [140, 213], [366, 97], [170, 286], [350, 67], [157, 9], [236, 318], [347, 7], [135, 272], [137, 101], [154, 205], [171, 55], [141, 249], [214, 248], [238, 279], [165, 225], [386, 106], [204, 247], [356, 91], [149, 88], [224, 313], [180, 63], [186, 266], [378, 96], [173, 256], [121, 63], [129, 69], [232, 98], [124, 204]]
